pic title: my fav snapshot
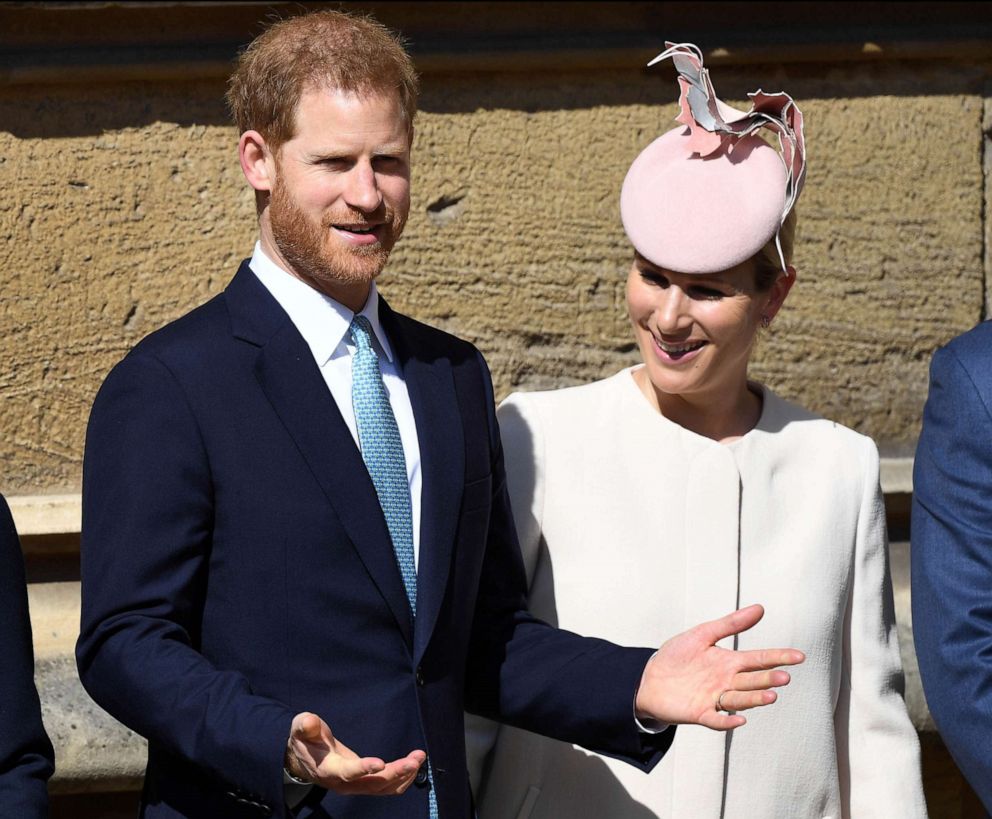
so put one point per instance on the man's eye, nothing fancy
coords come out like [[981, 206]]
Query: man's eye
[[388, 162]]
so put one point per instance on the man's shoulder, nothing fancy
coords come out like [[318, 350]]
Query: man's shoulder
[[971, 353], [193, 348], [189, 338], [205, 319], [972, 347], [425, 338]]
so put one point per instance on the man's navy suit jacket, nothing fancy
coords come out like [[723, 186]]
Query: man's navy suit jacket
[[237, 570], [26, 758], [952, 552]]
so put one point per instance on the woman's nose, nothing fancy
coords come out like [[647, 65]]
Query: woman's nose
[[671, 312]]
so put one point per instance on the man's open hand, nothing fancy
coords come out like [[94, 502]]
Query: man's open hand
[[314, 755], [690, 678]]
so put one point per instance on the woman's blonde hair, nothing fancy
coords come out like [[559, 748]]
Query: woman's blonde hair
[[767, 264]]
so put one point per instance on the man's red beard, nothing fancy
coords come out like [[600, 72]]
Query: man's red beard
[[317, 255]]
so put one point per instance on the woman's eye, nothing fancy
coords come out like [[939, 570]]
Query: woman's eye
[[706, 293], [654, 278]]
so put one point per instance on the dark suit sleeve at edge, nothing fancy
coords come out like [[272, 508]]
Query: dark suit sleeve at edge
[[147, 522], [952, 566], [525, 673], [26, 756]]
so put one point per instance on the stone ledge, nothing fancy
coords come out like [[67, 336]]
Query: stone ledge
[[46, 514], [62, 514], [93, 751], [896, 475]]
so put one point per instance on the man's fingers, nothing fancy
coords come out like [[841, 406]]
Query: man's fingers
[[315, 755], [760, 680], [719, 721], [730, 624], [310, 742], [307, 727], [339, 771], [745, 700], [392, 778]]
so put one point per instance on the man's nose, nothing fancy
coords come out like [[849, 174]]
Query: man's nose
[[362, 191]]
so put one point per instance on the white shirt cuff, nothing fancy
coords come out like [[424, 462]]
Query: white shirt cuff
[[648, 726], [293, 790]]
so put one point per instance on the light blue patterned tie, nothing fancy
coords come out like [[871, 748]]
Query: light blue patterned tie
[[382, 451]]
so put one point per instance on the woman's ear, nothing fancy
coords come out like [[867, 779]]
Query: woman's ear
[[777, 294], [257, 161]]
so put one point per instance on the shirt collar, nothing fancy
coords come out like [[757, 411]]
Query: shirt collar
[[323, 322]]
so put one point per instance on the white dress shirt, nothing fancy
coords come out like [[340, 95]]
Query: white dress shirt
[[324, 325]]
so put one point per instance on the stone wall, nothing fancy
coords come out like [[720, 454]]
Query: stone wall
[[124, 207]]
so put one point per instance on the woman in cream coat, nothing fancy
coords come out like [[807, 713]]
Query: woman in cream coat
[[678, 489]]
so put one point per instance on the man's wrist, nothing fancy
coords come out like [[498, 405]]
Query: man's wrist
[[294, 790], [646, 724], [289, 779], [294, 772]]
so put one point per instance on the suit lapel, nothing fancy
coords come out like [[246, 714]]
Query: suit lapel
[[291, 381], [430, 384]]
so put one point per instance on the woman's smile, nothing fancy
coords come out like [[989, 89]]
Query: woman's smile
[[677, 352]]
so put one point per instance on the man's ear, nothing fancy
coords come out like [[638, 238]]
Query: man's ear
[[257, 161]]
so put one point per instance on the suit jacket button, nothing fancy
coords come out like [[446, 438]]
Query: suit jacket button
[[422, 774], [420, 676]]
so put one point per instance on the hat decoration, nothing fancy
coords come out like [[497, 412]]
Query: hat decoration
[[717, 177]]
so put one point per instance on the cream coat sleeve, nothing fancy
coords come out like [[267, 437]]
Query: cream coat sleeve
[[523, 453], [877, 748]]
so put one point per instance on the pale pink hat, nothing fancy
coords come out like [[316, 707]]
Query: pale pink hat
[[708, 196]]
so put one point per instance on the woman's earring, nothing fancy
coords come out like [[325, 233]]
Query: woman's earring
[[765, 321]]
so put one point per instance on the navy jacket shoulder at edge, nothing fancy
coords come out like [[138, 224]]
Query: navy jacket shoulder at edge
[[973, 351], [952, 551], [26, 756]]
